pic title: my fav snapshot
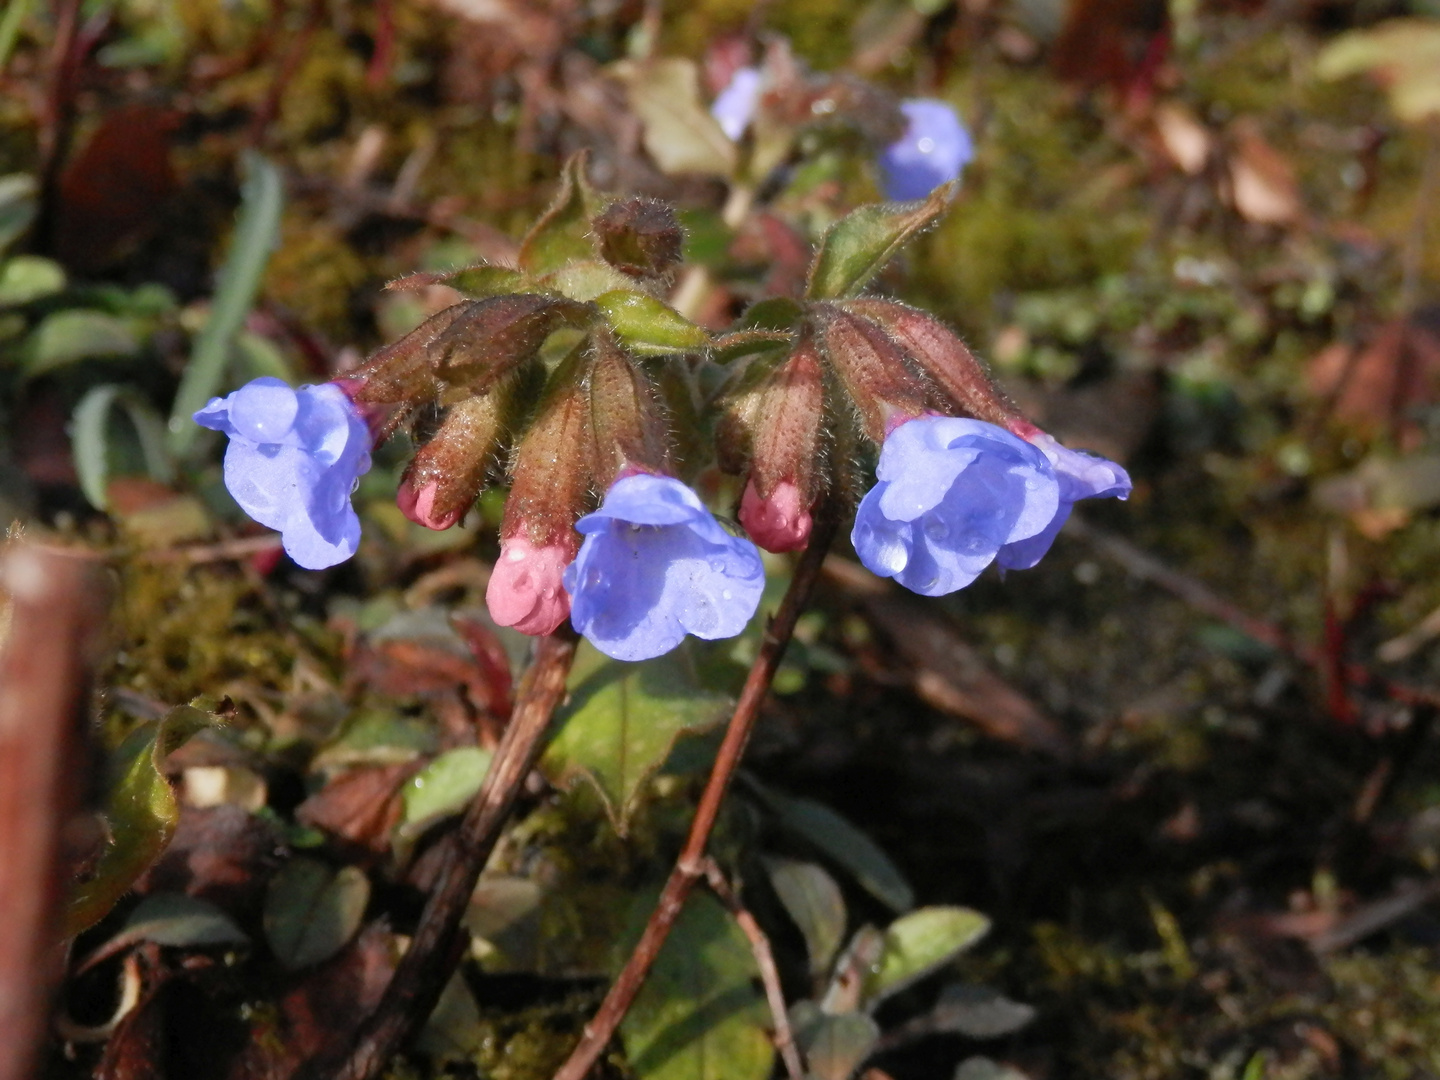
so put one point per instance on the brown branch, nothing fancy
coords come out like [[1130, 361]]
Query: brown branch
[[55, 612], [435, 949], [1200, 597], [765, 961], [690, 866]]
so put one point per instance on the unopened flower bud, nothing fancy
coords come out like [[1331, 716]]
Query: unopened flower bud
[[551, 478], [778, 522], [640, 237], [942, 355], [403, 372], [495, 336], [525, 589], [780, 424], [446, 475], [873, 371], [629, 434]]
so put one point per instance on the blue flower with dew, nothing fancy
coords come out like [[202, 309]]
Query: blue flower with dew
[[1081, 476], [934, 150], [655, 565], [950, 494], [734, 107], [293, 460]]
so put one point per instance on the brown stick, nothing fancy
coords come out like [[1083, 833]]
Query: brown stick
[[55, 613], [426, 966], [765, 961], [690, 866]]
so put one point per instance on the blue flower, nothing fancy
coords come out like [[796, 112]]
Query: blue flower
[[654, 566], [734, 107], [293, 460], [934, 149], [1081, 476], [951, 493]]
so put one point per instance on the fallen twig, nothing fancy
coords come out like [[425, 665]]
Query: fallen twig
[[426, 966], [690, 866], [765, 961]]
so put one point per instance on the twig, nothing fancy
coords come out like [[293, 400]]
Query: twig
[[426, 966], [1202, 599], [765, 961], [55, 612], [690, 866]]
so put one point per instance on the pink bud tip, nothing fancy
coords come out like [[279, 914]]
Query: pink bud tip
[[524, 590], [419, 506], [779, 523]]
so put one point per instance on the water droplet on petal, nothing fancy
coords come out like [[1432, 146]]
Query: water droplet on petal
[[725, 594], [936, 528]]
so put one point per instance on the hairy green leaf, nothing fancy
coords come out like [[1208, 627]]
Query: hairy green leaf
[[312, 910], [700, 1016], [834, 1044], [621, 721], [813, 900], [648, 327], [29, 277], [141, 814], [562, 235], [858, 246], [65, 337], [443, 787], [920, 942], [94, 436]]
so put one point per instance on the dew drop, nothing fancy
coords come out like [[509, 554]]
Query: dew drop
[[725, 594], [717, 565], [936, 529]]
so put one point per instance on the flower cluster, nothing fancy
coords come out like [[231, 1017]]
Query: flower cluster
[[962, 479], [933, 148]]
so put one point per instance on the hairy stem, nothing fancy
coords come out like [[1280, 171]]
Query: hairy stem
[[426, 967], [690, 866]]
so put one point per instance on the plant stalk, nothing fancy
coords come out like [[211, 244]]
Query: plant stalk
[[434, 951], [690, 867]]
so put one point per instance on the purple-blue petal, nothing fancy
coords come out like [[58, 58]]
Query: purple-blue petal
[[293, 460], [637, 587], [951, 494], [734, 107], [934, 149]]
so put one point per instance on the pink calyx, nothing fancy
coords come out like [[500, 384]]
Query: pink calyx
[[525, 590], [778, 523], [419, 506]]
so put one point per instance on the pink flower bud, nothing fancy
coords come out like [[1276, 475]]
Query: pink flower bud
[[419, 506], [525, 590], [778, 523]]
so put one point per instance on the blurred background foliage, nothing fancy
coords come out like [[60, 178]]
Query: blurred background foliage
[[1187, 767]]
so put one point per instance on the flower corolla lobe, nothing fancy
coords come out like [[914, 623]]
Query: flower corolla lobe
[[656, 565], [934, 149], [734, 107], [1081, 476], [292, 463], [951, 493]]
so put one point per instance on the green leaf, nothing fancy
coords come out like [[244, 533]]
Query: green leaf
[[733, 346], [180, 921], [257, 232], [311, 911], [94, 437], [562, 235], [622, 719], [29, 277], [679, 132], [859, 245], [834, 1044], [649, 327], [141, 815], [700, 1016], [1403, 53], [978, 1012], [65, 337], [442, 788], [836, 838], [813, 900], [920, 942], [18, 201]]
